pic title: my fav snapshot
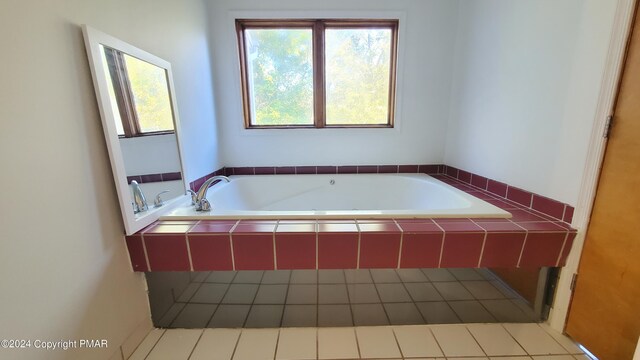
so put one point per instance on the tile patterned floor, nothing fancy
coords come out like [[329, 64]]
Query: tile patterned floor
[[452, 342], [331, 298]]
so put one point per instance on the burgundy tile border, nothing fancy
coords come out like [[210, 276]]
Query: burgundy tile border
[[196, 184], [152, 178], [386, 243], [467, 181], [285, 170], [327, 169], [524, 198]]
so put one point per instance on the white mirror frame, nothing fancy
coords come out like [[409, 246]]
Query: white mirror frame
[[93, 39]]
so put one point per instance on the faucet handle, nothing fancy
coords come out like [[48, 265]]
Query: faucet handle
[[204, 205], [158, 201], [194, 196]]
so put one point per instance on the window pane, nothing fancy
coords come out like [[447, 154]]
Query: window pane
[[357, 76], [112, 93], [150, 95], [280, 74]]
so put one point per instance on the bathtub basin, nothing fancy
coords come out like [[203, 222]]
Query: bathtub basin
[[335, 196]]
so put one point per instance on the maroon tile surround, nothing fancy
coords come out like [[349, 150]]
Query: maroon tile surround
[[529, 239], [151, 178], [479, 186], [538, 234]]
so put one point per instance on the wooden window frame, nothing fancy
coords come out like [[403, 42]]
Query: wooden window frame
[[124, 96], [317, 27]]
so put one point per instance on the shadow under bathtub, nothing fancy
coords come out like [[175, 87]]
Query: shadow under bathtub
[[304, 298]]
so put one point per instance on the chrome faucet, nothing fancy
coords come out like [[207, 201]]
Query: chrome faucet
[[201, 202], [139, 201]]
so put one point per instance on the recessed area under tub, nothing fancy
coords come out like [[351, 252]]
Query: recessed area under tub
[[333, 298]]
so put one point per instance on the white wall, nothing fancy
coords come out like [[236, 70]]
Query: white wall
[[150, 154], [426, 45], [64, 268], [525, 84]]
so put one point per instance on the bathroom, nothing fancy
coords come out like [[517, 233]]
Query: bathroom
[[66, 272]]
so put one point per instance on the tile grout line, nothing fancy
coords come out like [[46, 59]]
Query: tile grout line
[[138, 346], [317, 299], [353, 318], [275, 351], [253, 301], [395, 337], [286, 295], [317, 343], [164, 331], [196, 344], [413, 301], [222, 298], [359, 240], [564, 243], [275, 250], [484, 241], [233, 257], [466, 327], [355, 333], [146, 255], [514, 339], [436, 340], [524, 244], [441, 245], [401, 238], [558, 342], [235, 347], [375, 286], [186, 240]]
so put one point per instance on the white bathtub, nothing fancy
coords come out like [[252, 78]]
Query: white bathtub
[[350, 196]]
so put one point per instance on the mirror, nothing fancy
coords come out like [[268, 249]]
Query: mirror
[[140, 120]]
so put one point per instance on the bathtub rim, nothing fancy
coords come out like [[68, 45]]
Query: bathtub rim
[[186, 211]]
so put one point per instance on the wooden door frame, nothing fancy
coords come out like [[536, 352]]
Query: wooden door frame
[[606, 101]]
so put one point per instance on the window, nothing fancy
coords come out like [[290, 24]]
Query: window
[[318, 73], [139, 95]]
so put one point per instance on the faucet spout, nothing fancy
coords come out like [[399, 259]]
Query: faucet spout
[[201, 196], [139, 201]]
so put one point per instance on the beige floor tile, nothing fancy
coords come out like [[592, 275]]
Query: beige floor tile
[[136, 337], [534, 339], [456, 341], [147, 344], [117, 355], [417, 341], [511, 358], [256, 344], [554, 357], [175, 344], [564, 341], [377, 342], [337, 343], [216, 344], [297, 344], [495, 340]]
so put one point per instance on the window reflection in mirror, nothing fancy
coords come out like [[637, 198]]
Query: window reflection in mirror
[[139, 95]]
